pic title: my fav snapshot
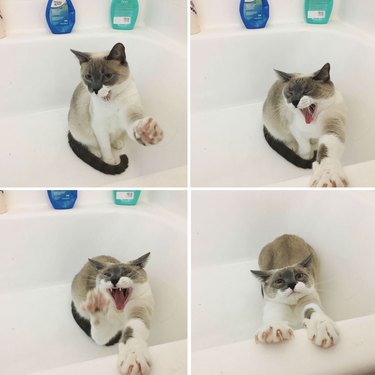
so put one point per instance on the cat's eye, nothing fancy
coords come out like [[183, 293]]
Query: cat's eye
[[279, 282], [88, 76], [108, 75], [107, 274], [300, 276]]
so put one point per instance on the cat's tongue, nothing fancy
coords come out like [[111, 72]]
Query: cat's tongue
[[309, 113], [120, 297]]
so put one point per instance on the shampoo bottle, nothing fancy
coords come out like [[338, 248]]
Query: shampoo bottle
[[61, 16], [254, 13], [194, 20], [126, 197], [124, 14], [2, 27], [62, 199], [3, 206], [318, 11]]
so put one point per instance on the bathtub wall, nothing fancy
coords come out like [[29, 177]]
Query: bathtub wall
[[359, 14], [27, 16], [286, 11], [173, 201], [227, 14]]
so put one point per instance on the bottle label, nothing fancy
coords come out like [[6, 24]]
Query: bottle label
[[253, 10], [122, 20], [125, 195], [316, 14], [57, 3]]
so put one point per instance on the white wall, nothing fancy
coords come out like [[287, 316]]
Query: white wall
[[166, 16], [173, 201], [221, 13], [233, 226], [359, 13]]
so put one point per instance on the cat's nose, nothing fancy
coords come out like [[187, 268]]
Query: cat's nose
[[114, 280], [96, 91], [292, 285], [295, 103]]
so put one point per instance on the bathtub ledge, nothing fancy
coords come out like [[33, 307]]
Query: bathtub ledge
[[167, 359], [352, 355]]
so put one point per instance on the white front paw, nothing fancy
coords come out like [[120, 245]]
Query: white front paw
[[321, 330], [148, 132], [328, 173], [134, 358], [274, 333]]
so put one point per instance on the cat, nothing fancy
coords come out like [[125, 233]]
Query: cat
[[112, 303], [288, 274], [304, 119], [104, 106]]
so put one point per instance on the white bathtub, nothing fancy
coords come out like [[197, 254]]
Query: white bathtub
[[228, 231], [39, 74], [232, 71], [42, 250]]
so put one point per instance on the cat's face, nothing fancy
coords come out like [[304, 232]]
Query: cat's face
[[303, 94], [101, 73], [119, 280], [289, 284]]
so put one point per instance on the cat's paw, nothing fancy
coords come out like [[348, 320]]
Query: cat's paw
[[118, 144], [274, 333], [321, 330], [148, 132], [110, 160], [95, 151], [134, 358], [96, 302], [328, 173]]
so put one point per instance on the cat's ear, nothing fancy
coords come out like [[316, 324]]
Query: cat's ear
[[96, 264], [117, 53], [141, 261], [82, 56], [286, 77], [323, 74], [306, 262], [261, 275]]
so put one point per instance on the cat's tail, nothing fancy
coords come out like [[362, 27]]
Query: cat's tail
[[84, 154], [286, 152]]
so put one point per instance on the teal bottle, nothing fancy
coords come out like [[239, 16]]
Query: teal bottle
[[318, 11], [124, 14], [126, 197]]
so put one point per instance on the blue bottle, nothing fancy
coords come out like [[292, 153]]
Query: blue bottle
[[254, 13], [126, 197], [318, 11], [62, 199], [61, 16]]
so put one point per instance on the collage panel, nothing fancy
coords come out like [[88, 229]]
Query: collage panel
[[93, 282], [282, 281], [93, 93], [276, 94]]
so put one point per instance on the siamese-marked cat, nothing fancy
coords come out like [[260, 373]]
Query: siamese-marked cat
[[304, 120], [112, 302], [105, 106], [288, 275]]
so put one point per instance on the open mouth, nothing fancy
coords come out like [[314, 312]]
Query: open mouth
[[309, 113], [120, 296]]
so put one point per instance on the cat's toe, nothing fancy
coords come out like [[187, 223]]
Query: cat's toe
[[148, 132], [274, 333], [328, 173], [118, 144], [95, 302], [321, 331], [134, 358]]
